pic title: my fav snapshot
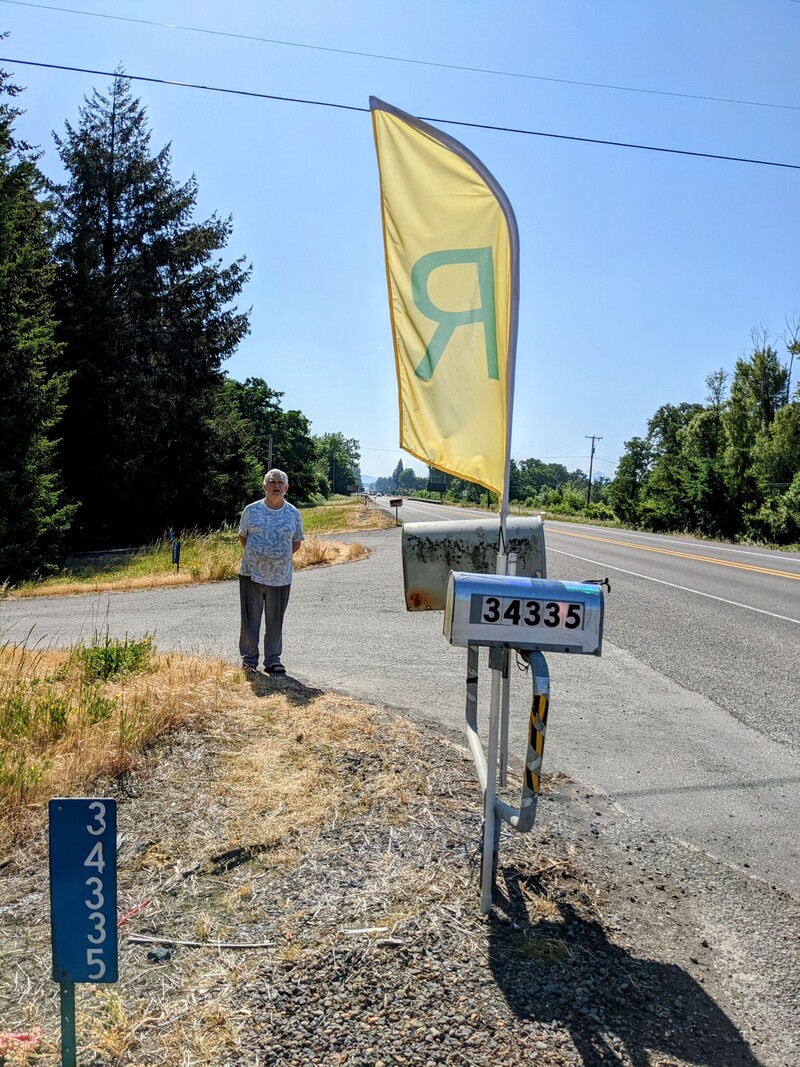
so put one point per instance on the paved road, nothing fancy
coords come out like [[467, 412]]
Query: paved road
[[666, 750]]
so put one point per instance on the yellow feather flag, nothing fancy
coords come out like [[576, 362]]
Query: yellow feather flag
[[451, 246]]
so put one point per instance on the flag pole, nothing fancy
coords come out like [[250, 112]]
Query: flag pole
[[500, 685], [511, 365], [407, 307]]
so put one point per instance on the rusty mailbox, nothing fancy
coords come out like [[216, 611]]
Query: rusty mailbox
[[431, 550]]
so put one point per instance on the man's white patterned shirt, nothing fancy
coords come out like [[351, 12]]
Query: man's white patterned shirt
[[270, 532]]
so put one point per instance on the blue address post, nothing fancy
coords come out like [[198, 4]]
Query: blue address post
[[83, 901]]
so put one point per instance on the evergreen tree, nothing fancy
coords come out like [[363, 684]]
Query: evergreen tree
[[408, 481], [776, 451], [147, 321], [33, 516]]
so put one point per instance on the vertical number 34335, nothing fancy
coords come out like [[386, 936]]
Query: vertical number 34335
[[96, 900]]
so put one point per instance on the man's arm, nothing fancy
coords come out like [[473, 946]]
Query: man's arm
[[295, 546], [242, 539]]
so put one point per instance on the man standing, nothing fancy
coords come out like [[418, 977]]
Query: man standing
[[271, 531]]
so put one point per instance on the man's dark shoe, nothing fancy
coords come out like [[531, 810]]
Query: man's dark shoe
[[275, 668]]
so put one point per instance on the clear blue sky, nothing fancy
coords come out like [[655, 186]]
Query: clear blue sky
[[641, 272]]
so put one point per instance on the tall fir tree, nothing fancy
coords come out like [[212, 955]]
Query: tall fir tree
[[33, 515], [147, 319]]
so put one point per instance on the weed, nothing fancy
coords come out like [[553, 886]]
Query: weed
[[112, 1029], [106, 657], [15, 712], [68, 716], [19, 775], [53, 710], [28, 712], [96, 708]]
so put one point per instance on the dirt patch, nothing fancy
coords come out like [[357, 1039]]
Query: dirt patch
[[298, 883]]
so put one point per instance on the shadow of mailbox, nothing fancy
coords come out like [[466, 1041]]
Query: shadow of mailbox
[[431, 550]]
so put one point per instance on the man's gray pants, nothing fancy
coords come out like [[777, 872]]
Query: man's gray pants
[[257, 600]]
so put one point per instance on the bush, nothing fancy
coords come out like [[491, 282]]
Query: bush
[[777, 521]]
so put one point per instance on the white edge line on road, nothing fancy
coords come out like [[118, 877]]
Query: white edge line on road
[[672, 585], [740, 550]]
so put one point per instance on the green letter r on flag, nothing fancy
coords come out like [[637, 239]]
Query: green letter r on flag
[[449, 321]]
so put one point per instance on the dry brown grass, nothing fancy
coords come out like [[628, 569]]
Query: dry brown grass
[[274, 830], [120, 585], [135, 710], [300, 765], [315, 551], [257, 771]]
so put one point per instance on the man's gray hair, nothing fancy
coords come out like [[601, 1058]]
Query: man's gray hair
[[276, 475]]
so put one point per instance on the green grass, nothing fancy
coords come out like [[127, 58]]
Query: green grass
[[327, 518], [208, 557], [204, 557]]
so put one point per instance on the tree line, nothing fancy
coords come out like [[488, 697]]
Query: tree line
[[729, 468], [533, 483], [117, 313], [118, 421]]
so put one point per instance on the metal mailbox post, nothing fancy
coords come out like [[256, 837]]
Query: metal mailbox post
[[431, 550], [494, 592], [532, 616]]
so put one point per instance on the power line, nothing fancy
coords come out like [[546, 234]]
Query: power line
[[450, 122], [405, 59]]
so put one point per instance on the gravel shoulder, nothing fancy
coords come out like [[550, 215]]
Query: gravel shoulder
[[335, 844]]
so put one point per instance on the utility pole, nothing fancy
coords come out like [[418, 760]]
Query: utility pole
[[591, 460], [269, 454]]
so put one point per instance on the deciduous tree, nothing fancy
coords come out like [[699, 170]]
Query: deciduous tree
[[338, 459], [278, 438]]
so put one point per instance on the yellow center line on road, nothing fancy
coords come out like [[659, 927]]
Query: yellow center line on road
[[681, 555]]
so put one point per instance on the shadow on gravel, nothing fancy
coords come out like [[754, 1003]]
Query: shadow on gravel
[[263, 686], [557, 966]]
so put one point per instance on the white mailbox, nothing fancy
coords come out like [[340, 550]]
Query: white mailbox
[[526, 613]]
